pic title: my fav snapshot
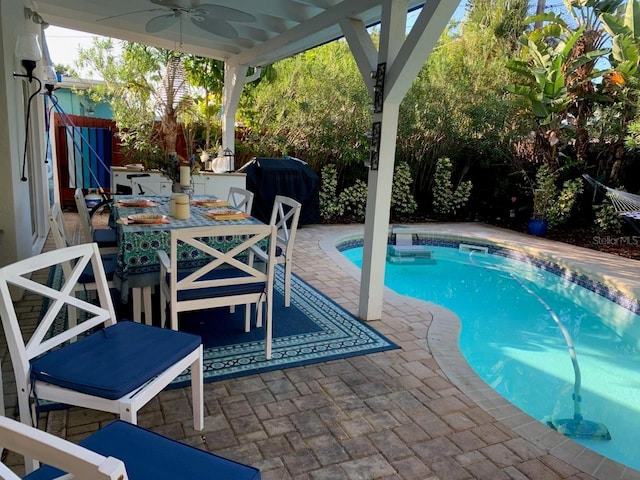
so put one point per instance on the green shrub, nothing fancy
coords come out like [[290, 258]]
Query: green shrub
[[402, 201], [353, 201], [607, 218], [448, 201], [330, 207]]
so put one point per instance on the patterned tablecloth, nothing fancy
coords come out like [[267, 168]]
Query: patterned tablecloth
[[137, 264]]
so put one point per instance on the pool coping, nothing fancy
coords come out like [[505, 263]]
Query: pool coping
[[442, 335]]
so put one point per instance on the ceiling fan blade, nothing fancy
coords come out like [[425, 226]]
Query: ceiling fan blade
[[217, 27], [224, 13], [157, 24]]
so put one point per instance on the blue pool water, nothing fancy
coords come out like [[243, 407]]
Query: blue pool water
[[513, 343]]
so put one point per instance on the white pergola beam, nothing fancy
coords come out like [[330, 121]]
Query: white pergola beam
[[362, 47]]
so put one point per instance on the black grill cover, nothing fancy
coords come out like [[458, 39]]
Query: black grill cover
[[268, 177]]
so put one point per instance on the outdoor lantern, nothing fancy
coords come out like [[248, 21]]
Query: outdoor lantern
[[230, 159], [28, 51], [49, 78]]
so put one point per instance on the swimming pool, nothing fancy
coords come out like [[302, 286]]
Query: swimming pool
[[509, 337]]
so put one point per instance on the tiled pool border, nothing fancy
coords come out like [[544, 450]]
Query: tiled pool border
[[619, 298]]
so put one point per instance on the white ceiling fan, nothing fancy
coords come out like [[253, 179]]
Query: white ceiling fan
[[215, 19]]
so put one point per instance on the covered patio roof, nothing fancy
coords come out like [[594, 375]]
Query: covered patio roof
[[245, 34], [273, 29]]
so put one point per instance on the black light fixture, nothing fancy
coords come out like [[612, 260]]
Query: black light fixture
[[28, 52]]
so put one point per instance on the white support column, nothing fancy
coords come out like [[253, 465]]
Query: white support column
[[394, 17], [234, 80], [377, 219], [404, 59]]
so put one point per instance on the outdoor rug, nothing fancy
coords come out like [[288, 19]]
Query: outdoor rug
[[312, 329]]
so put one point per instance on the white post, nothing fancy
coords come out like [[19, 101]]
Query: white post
[[235, 76]]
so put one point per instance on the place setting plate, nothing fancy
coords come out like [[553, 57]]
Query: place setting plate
[[210, 202], [144, 219], [136, 203], [224, 214]]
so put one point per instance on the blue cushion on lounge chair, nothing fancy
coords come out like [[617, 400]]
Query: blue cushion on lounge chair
[[115, 360], [148, 455], [105, 237], [109, 265], [214, 292]]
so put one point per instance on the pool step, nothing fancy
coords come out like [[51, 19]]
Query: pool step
[[410, 254]]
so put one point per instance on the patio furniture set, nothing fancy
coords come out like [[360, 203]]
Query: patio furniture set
[[80, 354]]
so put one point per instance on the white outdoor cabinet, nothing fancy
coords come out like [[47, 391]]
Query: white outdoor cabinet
[[154, 183]]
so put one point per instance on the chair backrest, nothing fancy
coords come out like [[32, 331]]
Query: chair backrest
[[57, 226], [285, 216], [215, 258], [54, 451], [83, 213], [241, 199], [20, 276]]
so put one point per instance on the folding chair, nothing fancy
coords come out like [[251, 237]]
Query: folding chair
[[285, 216], [222, 278], [104, 237], [241, 199], [119, 451], [113, 367]]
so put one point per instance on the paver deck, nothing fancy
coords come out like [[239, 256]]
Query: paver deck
[[416, 413]]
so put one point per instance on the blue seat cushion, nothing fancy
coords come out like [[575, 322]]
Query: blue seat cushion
[[115, 360], [109, 265], [148, 455], [222, 291], [105, 237]]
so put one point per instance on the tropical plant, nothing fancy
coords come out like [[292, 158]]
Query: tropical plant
[[555, 76], [447, 200], [140, 82], [621, 82]]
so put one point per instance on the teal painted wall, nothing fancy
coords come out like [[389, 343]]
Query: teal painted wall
[[73, 104]]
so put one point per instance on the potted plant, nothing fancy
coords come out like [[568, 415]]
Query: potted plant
[[544, 196], [551, 205]]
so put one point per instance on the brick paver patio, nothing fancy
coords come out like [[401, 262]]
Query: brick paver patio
[[417, 413]]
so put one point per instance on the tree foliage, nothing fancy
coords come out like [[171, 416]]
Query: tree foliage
[[316, 108]]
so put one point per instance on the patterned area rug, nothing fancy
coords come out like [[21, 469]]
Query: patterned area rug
[[313, 329]]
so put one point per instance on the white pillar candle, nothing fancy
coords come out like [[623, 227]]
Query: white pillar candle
[[183, 210], [185, 176]]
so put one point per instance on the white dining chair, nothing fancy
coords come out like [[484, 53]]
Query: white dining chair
[[61, 239], [241, 199], [284, 216], [116, 367], [224, 279], [106, 238], [118, 451]]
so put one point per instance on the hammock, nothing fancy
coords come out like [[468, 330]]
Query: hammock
[[626, 204]]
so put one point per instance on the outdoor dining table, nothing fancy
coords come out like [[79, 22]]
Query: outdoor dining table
[[138, 267]]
